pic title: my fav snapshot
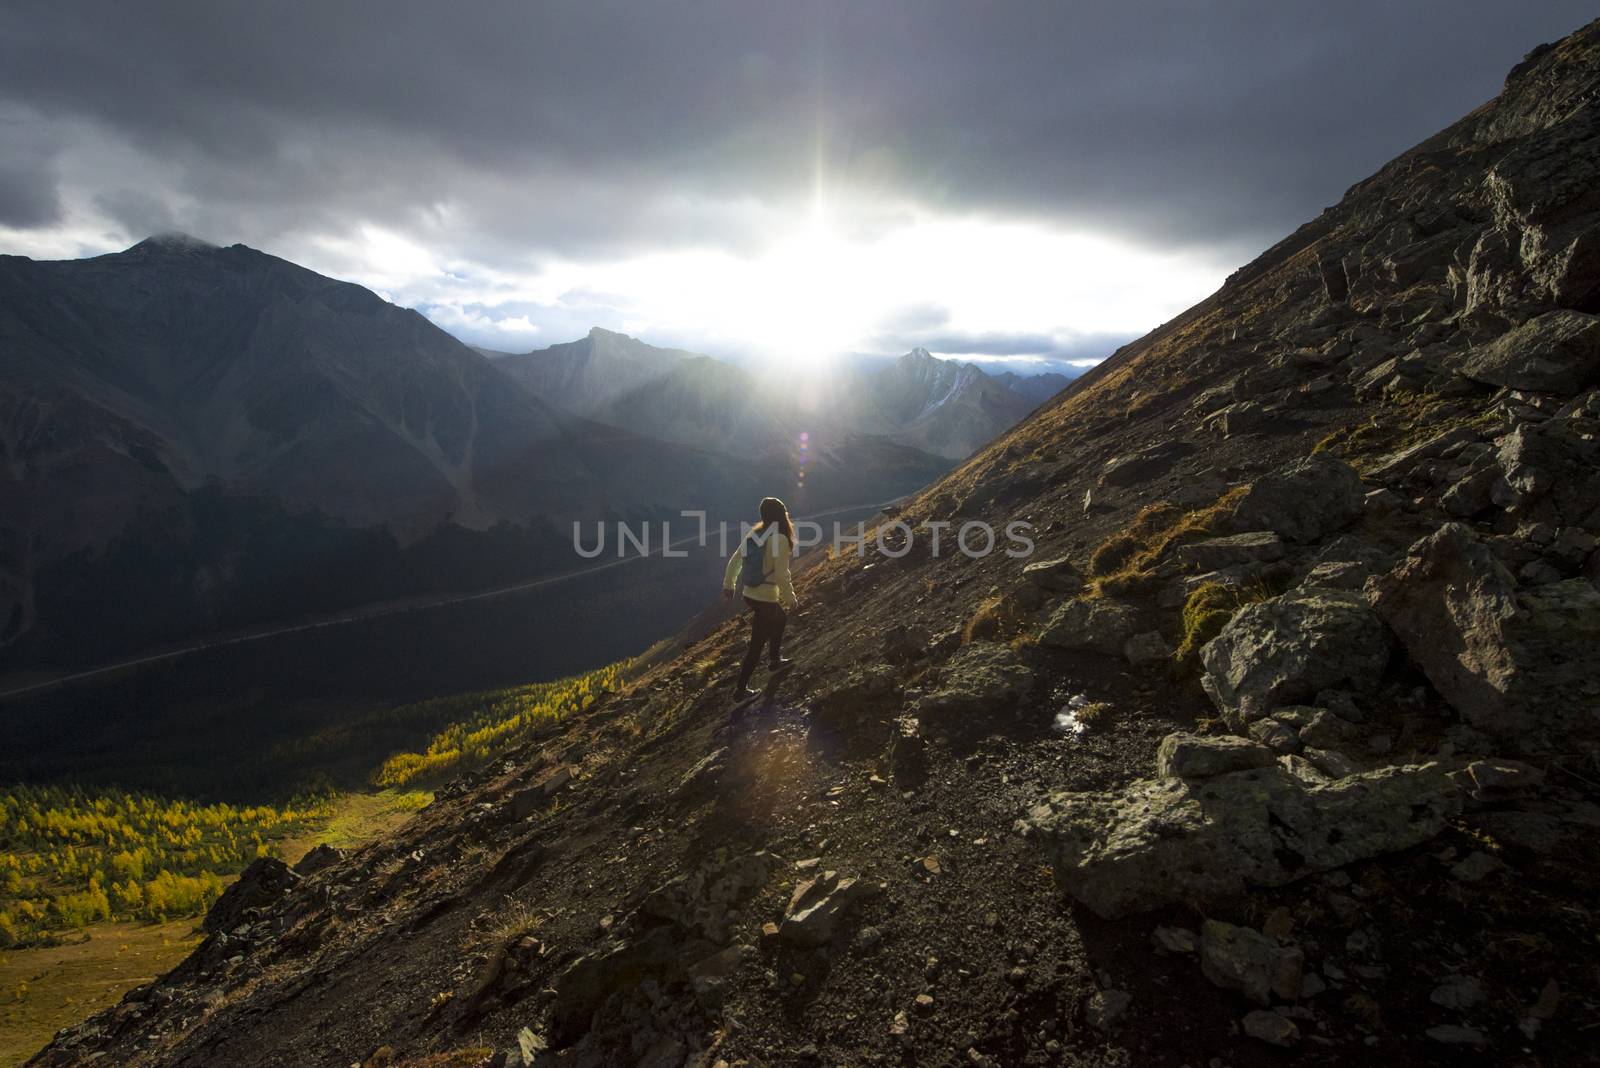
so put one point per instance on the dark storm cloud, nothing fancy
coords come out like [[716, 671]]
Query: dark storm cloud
[[28, 196], [596, 127]]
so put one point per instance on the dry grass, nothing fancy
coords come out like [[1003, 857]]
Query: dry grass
[[1155, 531], [512, 920], [997, 619]]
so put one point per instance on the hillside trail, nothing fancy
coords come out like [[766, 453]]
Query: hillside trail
[[1282, 737]]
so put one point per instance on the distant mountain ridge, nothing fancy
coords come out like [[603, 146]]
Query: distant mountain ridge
[[1036, 388], [582, 376], [180, 420], [919, 400]]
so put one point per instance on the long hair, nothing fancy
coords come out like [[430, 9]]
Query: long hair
[[774, 511]]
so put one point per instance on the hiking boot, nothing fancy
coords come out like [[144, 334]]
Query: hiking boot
[[783, 663], [744, 693]]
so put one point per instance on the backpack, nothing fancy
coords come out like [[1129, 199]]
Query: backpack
[[754, 572]]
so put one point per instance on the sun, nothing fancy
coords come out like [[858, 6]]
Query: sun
[[811, 294]]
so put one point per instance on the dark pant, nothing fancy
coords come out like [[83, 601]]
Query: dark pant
[[766, 628]]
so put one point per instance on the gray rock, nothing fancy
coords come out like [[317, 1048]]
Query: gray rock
[[1456, 1035], [1326, 731], [704, 776], [982, 678], [1056, 576], [1284, 650], [1192, 756], [858, 695], [700, 900], [1383, 502], [1158, 842], [1089, 624], [708, 977], [1557, 352], [1147, 648], [1500, 775], [1237, 958], [1476, 867], [817, 905], [1303, 769], [1106, 1007], [1175, 939], [1215, 554], [1303, 502], [1275, 735], [1338, 575], [1472, 493], [1404, 463], [1330, 762], [1459, 992], [1271, 1027], [1513, 663], [903, 643], [1241, 418]]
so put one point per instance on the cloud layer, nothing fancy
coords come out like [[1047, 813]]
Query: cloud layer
[[504, 163]]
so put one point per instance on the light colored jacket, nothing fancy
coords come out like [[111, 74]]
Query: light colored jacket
[[779, 587]]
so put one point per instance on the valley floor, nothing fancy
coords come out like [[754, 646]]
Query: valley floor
[[45, 989], [63, 984]]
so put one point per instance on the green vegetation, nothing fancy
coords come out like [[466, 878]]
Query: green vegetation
[[1207, 611], [70, 857], [484, 724]]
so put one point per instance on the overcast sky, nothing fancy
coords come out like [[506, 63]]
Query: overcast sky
[[1035, 181]]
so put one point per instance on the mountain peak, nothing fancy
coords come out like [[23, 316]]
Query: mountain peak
[[920, 353], [173, 241]]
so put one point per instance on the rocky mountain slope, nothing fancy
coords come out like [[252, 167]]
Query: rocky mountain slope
[[1284, 735]]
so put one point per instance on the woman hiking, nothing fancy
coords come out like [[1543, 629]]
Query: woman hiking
[[761, 566]]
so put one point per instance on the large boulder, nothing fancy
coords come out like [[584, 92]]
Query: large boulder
[[1055, 576], [1557, 352], [1235, 550], [982, 678], [1518, 664], [1192, 756], [1284, 650], [861, 694], [1552, 467], [1159, 842], [1303, 502], [1090, 624]]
